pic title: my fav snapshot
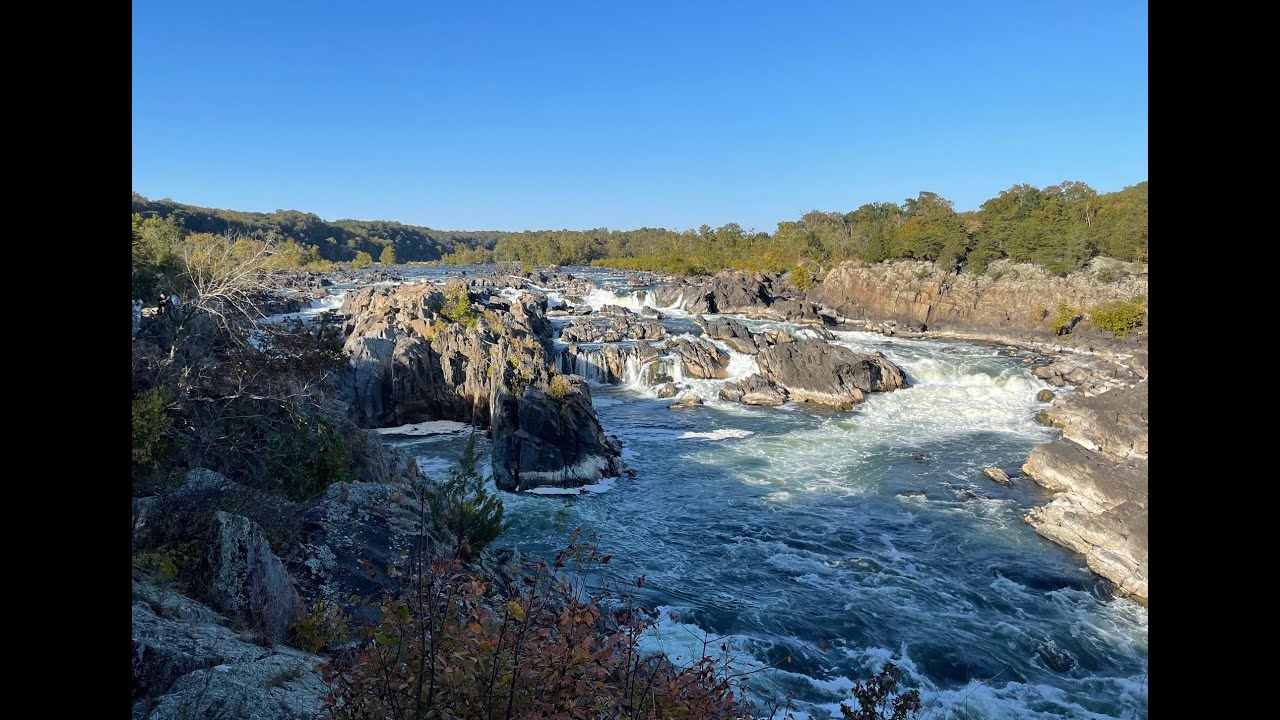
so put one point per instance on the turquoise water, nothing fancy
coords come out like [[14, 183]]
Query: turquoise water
[[785, 532]]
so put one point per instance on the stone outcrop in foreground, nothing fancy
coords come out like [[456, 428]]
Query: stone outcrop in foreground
[[1098, 472], [492, 366], [188, 663]]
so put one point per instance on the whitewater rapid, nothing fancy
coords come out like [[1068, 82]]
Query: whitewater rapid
[[845, 540]]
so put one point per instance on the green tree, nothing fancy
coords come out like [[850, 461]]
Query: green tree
[[388, 256], [362, 260], [464, 508]]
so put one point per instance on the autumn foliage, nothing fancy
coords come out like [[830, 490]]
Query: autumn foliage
[[544, 646]]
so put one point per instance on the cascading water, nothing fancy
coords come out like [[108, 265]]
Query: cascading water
[[822, 544]]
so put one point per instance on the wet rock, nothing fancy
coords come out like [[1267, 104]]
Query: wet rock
[[730, 332], [646, 331], [701, 359], [773, 336], [667, 390], [686, 400], [1045, 396], [653, 313], [754, 389], [617, 311], [817, 372], [998, 475]]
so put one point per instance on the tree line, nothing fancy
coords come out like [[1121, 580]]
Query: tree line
[[1060, 227]]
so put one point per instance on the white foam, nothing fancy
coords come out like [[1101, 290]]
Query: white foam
[[604, 485], [722, 434], [314, 309], [425, 429]]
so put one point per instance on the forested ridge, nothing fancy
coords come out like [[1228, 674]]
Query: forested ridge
[[1060, 227]]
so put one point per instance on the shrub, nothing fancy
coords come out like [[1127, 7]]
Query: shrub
[[559, 388], [880, 699], [1118, 317], [457, 306], [362, 260], [1064, 320], [170, 558], [150, 425], [388, 256], [801, 278], [160, 563], [319, 627], [544, 649], [465, 509], [307, 458], [1110, 274]]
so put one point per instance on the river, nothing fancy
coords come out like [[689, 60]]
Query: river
[[798, 533]]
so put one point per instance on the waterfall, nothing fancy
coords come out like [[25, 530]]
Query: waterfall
[[590, 363]]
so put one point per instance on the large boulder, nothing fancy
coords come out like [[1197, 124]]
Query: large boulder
[[550, 438], [244, 579], [814, 371], [754, 389], [730, 332], [685, 400], [700, 359], [647, 330]]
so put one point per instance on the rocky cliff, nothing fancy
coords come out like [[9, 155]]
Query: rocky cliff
[[422, 352], [1010, 299], [1098, 472]]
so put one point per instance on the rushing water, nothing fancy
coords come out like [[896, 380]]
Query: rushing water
[[788, 533]]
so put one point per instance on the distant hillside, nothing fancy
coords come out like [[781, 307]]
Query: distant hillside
[[1059, 227], [337, 240]]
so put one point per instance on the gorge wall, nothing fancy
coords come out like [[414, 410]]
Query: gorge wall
[[1009, 299]]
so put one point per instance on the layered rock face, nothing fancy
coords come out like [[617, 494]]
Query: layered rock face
[[411, 362], [1098, 470], [1023, 298], [814, 371]]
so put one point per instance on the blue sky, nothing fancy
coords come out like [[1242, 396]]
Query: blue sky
[[487, 115]]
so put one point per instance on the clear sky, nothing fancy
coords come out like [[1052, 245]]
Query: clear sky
[[515, 115]]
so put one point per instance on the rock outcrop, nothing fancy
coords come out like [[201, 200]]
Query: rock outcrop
[[550, 439], [246, 580], [814, 371], [419, 353], [700, 358], [1098, 472], [187, 663], [759, 295], [1011, 298], [754, 389], [730, 332]]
